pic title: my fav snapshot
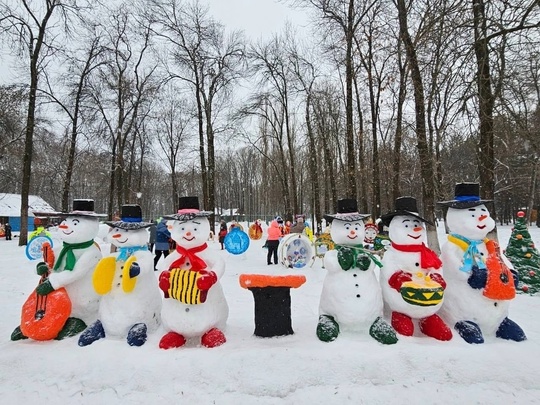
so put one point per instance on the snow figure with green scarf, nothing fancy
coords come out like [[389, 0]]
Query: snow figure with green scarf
[[351, 298], [480, 281], [73, 267], [411, 278], [130, 305]]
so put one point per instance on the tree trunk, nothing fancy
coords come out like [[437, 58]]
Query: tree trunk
[[350, 171]]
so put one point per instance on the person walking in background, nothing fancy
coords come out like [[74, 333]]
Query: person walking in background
[[162, 241], [272, 242], [222, 233], [7, 231], [152, 230]]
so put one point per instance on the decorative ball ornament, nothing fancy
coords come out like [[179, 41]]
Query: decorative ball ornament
[[519, 236], [34, 248], [520, 214], [532, 273], [236, 242], [296, 251], [525, 288], [528, 255]]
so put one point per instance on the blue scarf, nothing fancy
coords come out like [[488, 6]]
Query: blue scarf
[[125, 252], [471, 255]]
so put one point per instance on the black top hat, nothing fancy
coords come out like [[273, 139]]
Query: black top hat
[[403, 206], [467, 195], [347, 210], [81, 208], [188, 208], [130, 218]]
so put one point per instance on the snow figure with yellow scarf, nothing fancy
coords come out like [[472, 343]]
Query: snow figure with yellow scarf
[[130, 305], [71, 271], [194, 306], [480, 284], [411, 277]]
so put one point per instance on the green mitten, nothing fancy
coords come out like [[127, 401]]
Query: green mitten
[[42, 268], [345, 258], [363, 262], [383, 332], [327, 328], [44, 288]]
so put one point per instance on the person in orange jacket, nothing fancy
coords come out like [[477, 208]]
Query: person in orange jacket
[[272, 242]]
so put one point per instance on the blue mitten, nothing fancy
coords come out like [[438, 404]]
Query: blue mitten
[[478, 278], [134, 270]]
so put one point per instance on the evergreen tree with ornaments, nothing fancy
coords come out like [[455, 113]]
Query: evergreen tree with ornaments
[[524, 256]]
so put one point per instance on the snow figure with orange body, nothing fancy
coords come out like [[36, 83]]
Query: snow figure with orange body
[[480, 284], [351, 296], [194, 306], [69, 270], [411, 277], [130, 304]]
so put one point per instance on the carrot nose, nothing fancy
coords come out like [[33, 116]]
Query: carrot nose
[[188, 233], [417, 229], [352, 232], [116, 235], [482, 217], [62, 226]]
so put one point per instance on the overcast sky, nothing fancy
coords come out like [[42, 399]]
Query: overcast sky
[[258, 18]]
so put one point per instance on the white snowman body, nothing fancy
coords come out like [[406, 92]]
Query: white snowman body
[[193, 320], [462, 302], [353, 297], [405, 230], [78, 282], [119, 310]]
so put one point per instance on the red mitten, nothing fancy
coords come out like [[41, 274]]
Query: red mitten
[[165, 283], [207, 280], [437, 277], [398, 278]]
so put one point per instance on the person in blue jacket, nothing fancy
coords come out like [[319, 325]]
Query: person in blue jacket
[[163, 237]]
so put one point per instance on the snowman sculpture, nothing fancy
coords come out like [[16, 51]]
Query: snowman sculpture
[[480, 284], [411, 277], [194, 306], [72, 269], [351, 297], [130, 306]]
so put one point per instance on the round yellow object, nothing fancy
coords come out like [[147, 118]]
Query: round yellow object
[[519, 236], [528, 255]]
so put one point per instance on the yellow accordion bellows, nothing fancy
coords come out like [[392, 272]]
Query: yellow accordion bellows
[[183, 286]]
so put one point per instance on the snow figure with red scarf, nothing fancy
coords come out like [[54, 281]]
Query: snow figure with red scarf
[[351, 296], [480, 281], [130, 304], [194, 306], [411, 277]]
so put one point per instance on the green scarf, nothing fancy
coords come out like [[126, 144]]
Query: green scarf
[[67, 251]]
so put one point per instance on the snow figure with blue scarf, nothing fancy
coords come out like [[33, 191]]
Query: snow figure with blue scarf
[[131, 301], [351, 297], [480, 282]]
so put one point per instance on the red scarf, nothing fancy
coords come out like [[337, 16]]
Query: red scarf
[[428, 258], [189, 255]]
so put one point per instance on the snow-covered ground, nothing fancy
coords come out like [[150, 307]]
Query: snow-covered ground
[[296, 369]]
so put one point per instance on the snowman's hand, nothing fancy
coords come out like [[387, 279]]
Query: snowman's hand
[[206, 280], [363, 262], [515, 275], [398, 278], [478, 278], [42, 268], [345, 258], [165, 283], [438, 278], [134, 270]]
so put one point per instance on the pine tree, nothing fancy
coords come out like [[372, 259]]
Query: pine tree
[[524, 256]]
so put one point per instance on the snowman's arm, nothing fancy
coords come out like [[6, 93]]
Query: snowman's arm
[[86, 263], [166, 262], [331, 261], [398, 278], [145, 261], [437, 277], [217, 266]]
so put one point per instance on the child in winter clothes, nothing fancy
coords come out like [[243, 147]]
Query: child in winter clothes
[[274, 233], [222, 233]]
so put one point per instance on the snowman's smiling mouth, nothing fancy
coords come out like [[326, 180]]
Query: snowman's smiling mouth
[[480, 226], [122, 241], [414, 237], [352, 237], [189, 239], [67, 233]]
